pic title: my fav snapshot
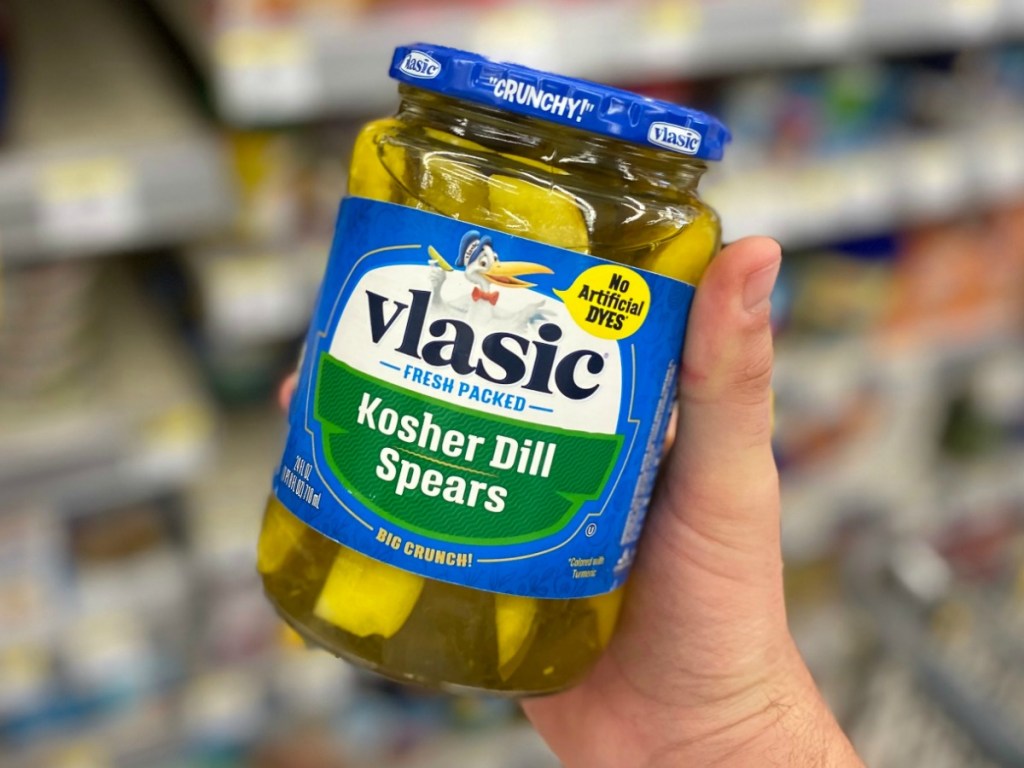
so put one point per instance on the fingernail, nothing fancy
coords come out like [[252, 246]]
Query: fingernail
[[757, 291]]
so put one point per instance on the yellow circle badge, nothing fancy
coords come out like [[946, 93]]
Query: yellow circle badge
[[608, 301]]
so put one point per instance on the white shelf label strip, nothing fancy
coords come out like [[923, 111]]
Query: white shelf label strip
[[88, 201]]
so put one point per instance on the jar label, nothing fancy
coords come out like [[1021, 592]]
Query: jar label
[[480, 408]]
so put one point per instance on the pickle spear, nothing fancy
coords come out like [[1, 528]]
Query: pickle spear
[[550, 215], [514, 618], [450, 181], [606, 610], [365, 597], [686, 256], [453, 186], [368, 176], [281, 532]]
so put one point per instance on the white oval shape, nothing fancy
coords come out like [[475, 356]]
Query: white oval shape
[[674, 137], [419, 64], [353, 343]]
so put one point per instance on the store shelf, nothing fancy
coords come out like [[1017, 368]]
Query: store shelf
[[903, 182], [315, 62], [137, 424], [104, 150], [257, 295], [889, 465]]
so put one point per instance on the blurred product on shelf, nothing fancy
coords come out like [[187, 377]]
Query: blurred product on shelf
[[223, 711], [926, 735], [134, 422], [99, 607], [290, 182], [957, 284], [253, 294], [31, 547], [845, 292], [884, 345], [100, 156], [256, 287], [949, 608], [843, 108], [924, 290], [48, 337], [996, 389], [942, 288], [859, 149]]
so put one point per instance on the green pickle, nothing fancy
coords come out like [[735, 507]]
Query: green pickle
[[443, 156], [548, 214], [378, 166]]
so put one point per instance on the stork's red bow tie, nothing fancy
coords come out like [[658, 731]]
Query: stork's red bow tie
[[491, 296]]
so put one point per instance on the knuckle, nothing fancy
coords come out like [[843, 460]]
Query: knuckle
[[752, 379]]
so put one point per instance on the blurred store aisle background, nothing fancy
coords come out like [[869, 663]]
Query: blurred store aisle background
[[169, 173]]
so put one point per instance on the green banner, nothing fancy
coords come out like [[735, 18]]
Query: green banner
[[452, 473]]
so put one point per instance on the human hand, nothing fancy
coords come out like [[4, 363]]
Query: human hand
[[702, 670]]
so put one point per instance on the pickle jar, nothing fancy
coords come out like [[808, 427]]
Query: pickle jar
[[489, 374]]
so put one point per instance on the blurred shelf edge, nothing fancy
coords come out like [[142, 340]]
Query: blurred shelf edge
[[138, 426], [93, 200], [90, 168], [814, 511], [320, 64], [909, 180]]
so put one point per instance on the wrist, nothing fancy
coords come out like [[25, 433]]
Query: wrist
[[800, 730], [779, 719]]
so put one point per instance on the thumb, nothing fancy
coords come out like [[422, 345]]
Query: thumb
[[721, 477]]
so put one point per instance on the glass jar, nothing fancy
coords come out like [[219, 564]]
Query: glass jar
[[462, 147]]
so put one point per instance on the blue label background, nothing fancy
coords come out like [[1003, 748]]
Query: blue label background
[[366, 226]]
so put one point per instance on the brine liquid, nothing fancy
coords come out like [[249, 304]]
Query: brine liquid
[[450, 638]]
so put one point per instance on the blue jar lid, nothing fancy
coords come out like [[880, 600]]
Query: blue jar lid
[[563, 100]]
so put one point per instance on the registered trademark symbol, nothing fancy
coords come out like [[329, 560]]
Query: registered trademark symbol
[[591, 529]]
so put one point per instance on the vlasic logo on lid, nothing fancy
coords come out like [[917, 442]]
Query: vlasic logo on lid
[[567, 101], [674, 137], [420, 65]]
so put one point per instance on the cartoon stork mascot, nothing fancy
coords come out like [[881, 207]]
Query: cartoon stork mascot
[[477, 292]]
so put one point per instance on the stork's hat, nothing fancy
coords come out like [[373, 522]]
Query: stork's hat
[[470, 247]]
